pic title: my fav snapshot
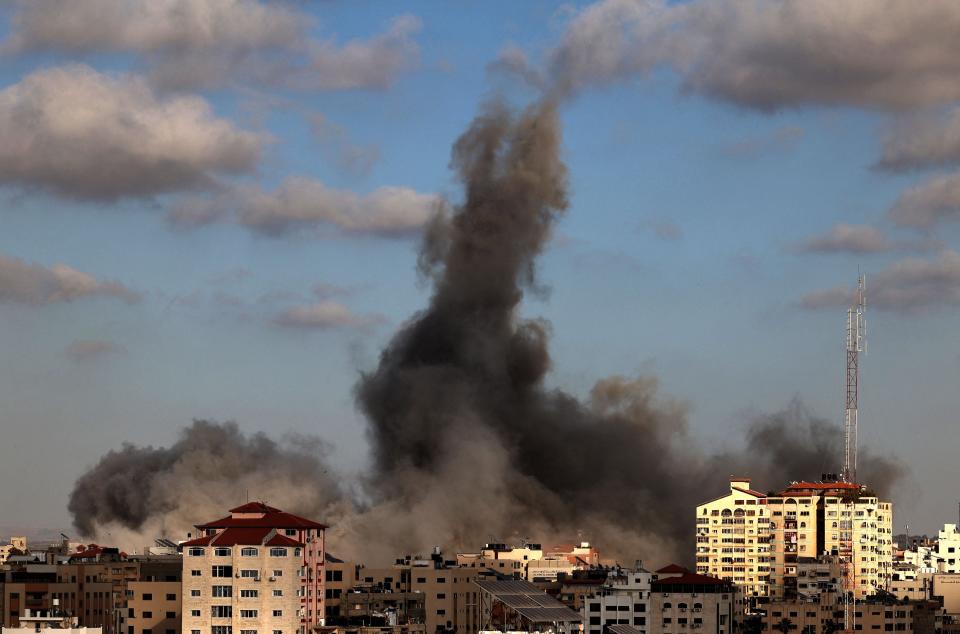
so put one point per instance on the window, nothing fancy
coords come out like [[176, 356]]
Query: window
[[194, 631], [170, 615], [421, 579], [221, 611], [249, 574], [334, 575], [195, 613], [248, 614], [146, 631], [171, 597], [441, 612], [277, 573], [278, 552], [195, 552], [594, 607], [148, 614], [147, 596], [639, 620], [131, 613], [441, 595], [194, 593], [595, 620], [639, 607], [221, 571], [248, 631], [290, 531], [278, 612], [248, 594], [279, 593], [249, 552], [221, 551], [194, 573], [222, 591], [221, 629]]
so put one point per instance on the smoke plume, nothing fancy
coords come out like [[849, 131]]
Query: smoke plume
[[468, 440], [137, 493]]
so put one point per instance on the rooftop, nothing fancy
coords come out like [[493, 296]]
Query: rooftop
[[244, 536], [259, 515]]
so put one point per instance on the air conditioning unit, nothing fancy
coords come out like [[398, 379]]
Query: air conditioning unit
[[273, 578], [237, 575]]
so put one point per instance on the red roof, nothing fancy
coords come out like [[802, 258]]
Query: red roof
[[272, 518], [800, 487], [255, 507], [690, 579], [244, 537], [672, 569]]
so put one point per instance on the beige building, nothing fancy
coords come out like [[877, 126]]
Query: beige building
[[733, 534], [682, 602], [826, 616], [153, 600], [759, 541], [17, 544], [257, 571], [811, 519]]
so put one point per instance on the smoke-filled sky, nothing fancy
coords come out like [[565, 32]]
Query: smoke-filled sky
[[213, 210]]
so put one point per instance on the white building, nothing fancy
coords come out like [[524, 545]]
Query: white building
[[622, 600]]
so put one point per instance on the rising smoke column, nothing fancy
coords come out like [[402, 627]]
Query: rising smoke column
[[467, 374]]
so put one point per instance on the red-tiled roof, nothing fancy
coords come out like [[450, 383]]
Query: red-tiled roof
[[672, 569], [255, 507], [819, 486], [260, 536], [690, 579], [271, 519]]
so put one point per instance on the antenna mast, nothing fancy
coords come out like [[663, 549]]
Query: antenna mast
[[856, 338]]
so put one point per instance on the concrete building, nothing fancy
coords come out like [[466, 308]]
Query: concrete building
[[259, 570], [910, 583], [153, 599], [947, 552], [810, 519], [733, 534], [757, 540], [16, 545], [826, 616], [622, 599], [684, 602]]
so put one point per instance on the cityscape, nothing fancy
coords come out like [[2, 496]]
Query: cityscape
[[479, 317]]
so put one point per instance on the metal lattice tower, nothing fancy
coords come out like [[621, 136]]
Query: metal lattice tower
[[856, 340]]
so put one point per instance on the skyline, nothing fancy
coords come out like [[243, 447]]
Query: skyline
[[711, 222]]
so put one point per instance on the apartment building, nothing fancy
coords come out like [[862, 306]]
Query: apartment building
[[826, 616], [623, 599], [153, 599], [683, 602], [758, 541], [259, 570], [947, 551], [530, 561], [733, 534], [811, 519]]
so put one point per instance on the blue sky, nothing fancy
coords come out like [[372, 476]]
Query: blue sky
[[678, 255]]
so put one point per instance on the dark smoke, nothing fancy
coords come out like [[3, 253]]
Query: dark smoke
[[168, 489], [469, 442]]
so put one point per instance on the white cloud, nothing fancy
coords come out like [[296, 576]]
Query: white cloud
[[844, 238], [82, 350], [79, 133], [769, 54], [372, 63], [928, 203], [187, 44], [304, 205], [36, 285], [326, 315], [923, 141], [909, 285]]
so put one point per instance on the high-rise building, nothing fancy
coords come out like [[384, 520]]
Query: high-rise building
[[733, 534], [259, 570], [759, 541]]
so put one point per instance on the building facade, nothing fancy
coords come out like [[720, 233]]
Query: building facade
[[761, 541], [733, 535], [623, 599], [259, 570]]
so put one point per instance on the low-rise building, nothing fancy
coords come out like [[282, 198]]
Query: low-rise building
[[622, 599], [683, 602]]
